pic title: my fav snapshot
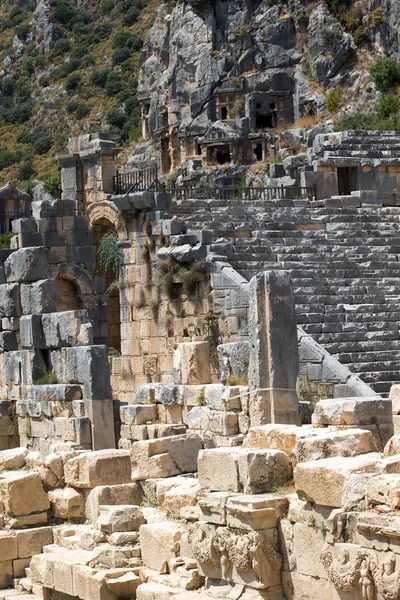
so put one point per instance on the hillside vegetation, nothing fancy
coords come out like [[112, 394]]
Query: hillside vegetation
[[69, 67]]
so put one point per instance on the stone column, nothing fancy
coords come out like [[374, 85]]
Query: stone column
[[274, 359]]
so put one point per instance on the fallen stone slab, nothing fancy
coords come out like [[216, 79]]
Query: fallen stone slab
[[165, 457], [352, 411], [12, 459], [22, 493], [160, 542], [248, 470], [27, 264], [121, 518], [322, 481], [348, 442], [102, 467]]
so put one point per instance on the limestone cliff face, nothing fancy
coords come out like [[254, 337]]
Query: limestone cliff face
[[253, 45]]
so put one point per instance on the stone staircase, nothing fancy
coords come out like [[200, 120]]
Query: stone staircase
[[344, 264]]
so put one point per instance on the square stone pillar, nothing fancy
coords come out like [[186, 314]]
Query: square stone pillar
[[274, 359]]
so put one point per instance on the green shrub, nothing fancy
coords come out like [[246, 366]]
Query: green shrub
[[121, 55], [106, 6], [26, 171], [23, 31], [114, 84], [352, 19], [72, 82], [44, 81], [61, 47], [109, 256], [53, 185], [360, 36], [387, 105], [42, 143], [376, 18], [5, 240], [49, 379], [82, 110], [99, 78], [385, 73], [116, 118], [333, 99], [63, 11], [302, 21]]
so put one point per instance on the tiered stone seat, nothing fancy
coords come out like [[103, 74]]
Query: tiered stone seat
[[344, 267]]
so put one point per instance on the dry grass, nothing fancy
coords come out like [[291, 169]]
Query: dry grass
[[308, 121]]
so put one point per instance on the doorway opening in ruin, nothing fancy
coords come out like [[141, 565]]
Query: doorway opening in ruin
[[258, 152], [223, 156], [347, 180], [198, 149], [265, 121], [99, 229], [224, 113], [67, 295], [165, 156]]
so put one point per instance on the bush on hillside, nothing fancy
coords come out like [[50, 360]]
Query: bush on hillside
[[385, 73], [26, 171]]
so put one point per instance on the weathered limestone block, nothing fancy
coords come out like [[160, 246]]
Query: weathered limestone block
[[89, 366], [350, 442], [213, 507], [67, 503], [224, 398], [160, 542], [6, 574], [308, 545], [136, 414], [8, 546], [27, 264], [128, 493], [322, 481], [223, 423], [155, 591], [297, 586], [234, 360], [124, 586], [165, 457], [274, 360], [22, 493], [276, 437], [383, 489], [69, 328], [252, 471], [12, 459], [394, 396], [393, 446], [10, 301], [31, 332], [352, 411], [197, 417], [192, 363], [184, 493], [103, 467], [31, 541], [38, 297], [120, 518], [257, 512]]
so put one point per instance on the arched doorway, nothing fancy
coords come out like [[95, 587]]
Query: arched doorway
[[67, 295], [100, 228]]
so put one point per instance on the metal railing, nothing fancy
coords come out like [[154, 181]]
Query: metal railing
[[147, 179], [135, 181], [245, 194]]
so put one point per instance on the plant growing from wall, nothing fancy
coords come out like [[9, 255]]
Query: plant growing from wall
[[50, 378], [173, 273], [5, 240], [110, 257], [209, 326]]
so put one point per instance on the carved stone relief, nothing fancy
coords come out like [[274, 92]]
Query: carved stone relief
[[365, 572], [246, 553]]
